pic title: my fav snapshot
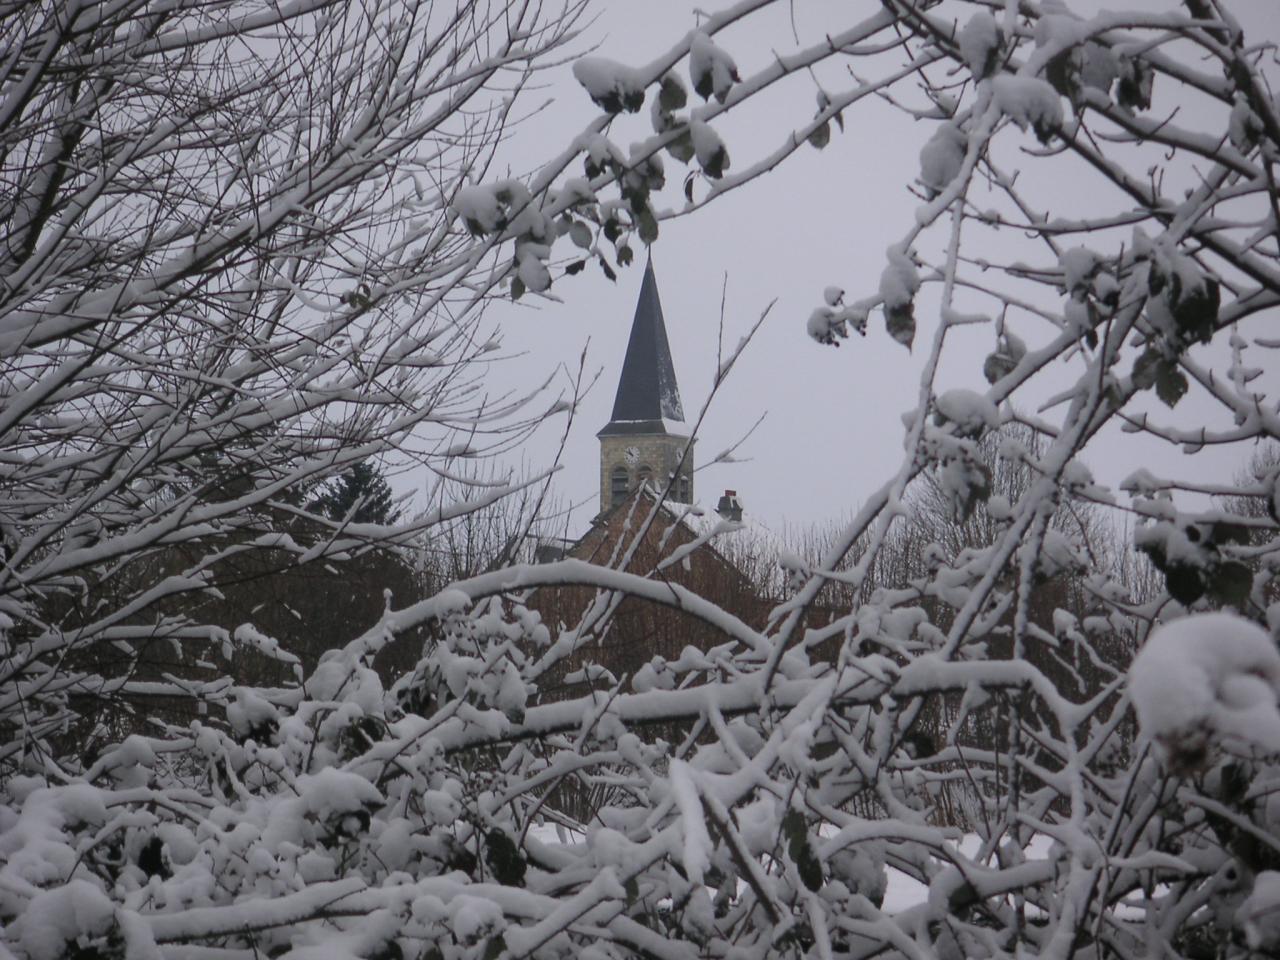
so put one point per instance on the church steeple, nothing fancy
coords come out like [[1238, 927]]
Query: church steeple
[[645, 438], [647, 389]]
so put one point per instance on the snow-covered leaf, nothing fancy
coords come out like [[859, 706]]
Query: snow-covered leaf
[[711, 69], [612, 86]]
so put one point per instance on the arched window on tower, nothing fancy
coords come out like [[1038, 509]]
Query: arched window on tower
[[618, 482], [646, 477], [682, 488]]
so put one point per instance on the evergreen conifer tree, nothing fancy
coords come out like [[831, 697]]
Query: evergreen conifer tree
[[362, 487]]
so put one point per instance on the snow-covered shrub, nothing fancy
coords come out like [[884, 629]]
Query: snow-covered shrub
[[925, 749]]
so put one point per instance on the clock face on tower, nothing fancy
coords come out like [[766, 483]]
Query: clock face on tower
[[632, 455]]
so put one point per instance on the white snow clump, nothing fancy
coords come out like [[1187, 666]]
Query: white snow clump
[[942, 157], [479, 209], [710, 149], [980, 44], [53, 919], [1079, 264], [1259, 915], [1203, 678], [531, 268], [1244, 128], [1029, 102], [900, 280], [473, 918], [697, 847], [830, 325], [612, 86], [711, 69], [971, 412]]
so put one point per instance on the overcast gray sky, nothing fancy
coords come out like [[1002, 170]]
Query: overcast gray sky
[[832, 430]]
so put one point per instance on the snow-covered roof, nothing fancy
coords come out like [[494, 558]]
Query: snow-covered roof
[[674, 428], [727, 539]]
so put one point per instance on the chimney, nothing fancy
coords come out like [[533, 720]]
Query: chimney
[[729, 506]]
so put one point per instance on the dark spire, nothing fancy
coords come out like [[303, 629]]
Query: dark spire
[[647, 389]]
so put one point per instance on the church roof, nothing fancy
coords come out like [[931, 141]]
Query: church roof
[[648, 395]]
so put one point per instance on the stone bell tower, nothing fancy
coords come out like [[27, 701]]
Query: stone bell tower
[[646, 437]]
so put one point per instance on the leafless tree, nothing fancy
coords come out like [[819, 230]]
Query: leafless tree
[[229, 268]]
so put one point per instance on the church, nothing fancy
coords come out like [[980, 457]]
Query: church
[[647, 514]]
